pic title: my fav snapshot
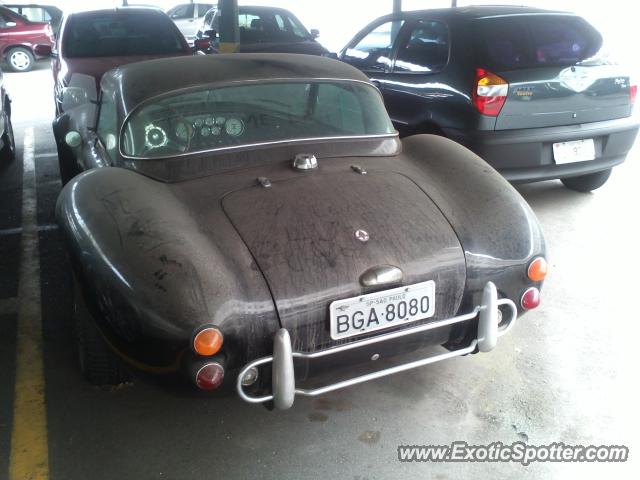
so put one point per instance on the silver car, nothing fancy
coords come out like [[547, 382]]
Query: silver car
[[188, 17]]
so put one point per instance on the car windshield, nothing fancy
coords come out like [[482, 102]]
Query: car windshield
[[120, 34], [265, 26], [254, 113]]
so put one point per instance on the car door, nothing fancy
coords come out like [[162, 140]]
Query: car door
[[7, 31], [372, 50], [416, 89]]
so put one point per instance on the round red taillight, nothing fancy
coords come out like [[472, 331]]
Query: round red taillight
[[537, 270], [208, 341], [530, 298], [210, 376]]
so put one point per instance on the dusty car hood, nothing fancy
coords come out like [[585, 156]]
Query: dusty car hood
[[301, 233]]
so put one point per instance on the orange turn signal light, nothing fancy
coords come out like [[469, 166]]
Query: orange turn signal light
[[537, 270], [208, 341]]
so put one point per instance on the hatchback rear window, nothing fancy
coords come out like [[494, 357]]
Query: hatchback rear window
[[535, 40], [113, 34]]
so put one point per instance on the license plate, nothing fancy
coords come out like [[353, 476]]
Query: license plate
[[575, 151], [386, 309]]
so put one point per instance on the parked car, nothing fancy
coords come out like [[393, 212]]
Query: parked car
[[18, 38], [38, 13], [528, 90], [259, 213], [262, 30], [188, 16], [7, 142], [92, 42]]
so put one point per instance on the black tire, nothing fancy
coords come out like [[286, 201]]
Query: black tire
[[587, 183], [97, 363], [8, 152], [20, 59]]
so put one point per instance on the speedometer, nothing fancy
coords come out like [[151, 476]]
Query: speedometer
[[234, 127]]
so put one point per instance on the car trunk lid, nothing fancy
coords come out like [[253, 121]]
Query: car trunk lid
[[553, 96], [555, 68], [302, 234]]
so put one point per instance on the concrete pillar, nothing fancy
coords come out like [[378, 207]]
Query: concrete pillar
[[229, 31]]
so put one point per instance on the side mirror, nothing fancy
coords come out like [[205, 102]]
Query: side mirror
[[73, 97], [73, 139], [315, 33], [200, 44], [80, 91], [43, 50], [212, 34], [10, 24]]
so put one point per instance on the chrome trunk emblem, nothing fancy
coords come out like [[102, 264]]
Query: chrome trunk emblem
[[362, 235]]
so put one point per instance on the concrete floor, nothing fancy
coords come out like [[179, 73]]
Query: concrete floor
[[565, 374]]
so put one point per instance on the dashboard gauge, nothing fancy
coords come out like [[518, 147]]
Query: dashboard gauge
[[183, 131], [210, 121], [154, 136], [220, 121], [216, 130], [234, 127], [205, 132], [198, 123]]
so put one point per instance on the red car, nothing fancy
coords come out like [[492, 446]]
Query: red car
[[93, 42], [18, 38]]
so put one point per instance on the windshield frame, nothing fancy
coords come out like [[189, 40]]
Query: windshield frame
[[252, 146]]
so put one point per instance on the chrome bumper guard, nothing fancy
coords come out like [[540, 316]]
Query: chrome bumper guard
[[490, 327]]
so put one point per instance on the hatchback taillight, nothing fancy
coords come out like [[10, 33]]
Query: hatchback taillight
[[489, 92], [633, 92]]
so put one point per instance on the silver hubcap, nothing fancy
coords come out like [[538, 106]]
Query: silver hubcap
[[20, 60]]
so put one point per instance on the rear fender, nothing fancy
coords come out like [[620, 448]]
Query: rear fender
[[156, 275], [497, 229]]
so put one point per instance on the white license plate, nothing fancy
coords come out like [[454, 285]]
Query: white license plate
[[576, 151], [375, 311]]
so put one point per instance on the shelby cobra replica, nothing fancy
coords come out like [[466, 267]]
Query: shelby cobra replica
[[255, 221]]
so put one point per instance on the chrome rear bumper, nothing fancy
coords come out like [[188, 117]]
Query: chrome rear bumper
[[490, 327]]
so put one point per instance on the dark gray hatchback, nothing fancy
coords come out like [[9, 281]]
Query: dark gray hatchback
[[529, 90]]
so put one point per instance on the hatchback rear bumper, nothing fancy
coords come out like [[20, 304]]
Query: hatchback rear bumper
[[283, 384], [526, 155]]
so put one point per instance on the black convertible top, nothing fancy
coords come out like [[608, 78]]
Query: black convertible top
[[134, 83]]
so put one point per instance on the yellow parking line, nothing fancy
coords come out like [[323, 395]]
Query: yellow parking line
[[29, 444]]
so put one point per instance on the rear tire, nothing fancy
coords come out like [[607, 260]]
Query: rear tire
[[97, 363], [20, 59], [587, 183]]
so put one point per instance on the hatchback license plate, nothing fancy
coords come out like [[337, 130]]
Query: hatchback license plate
[[385, 309], [576, 151]]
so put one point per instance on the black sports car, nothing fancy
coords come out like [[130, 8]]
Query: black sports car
[[256, 219]]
